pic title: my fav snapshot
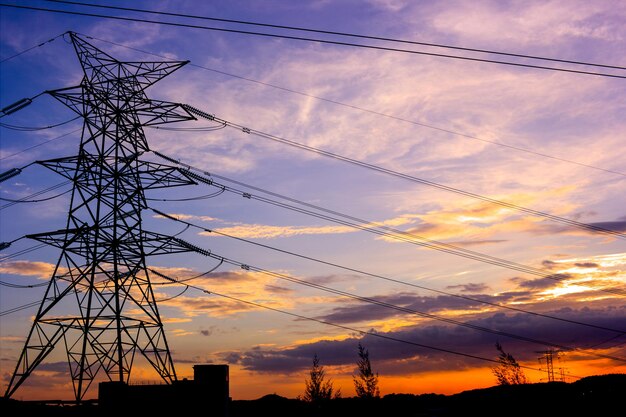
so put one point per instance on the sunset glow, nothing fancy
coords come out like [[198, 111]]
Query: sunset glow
[[453, 204]]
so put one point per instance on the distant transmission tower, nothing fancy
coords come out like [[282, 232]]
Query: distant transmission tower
[[99, 304], [548, 358]]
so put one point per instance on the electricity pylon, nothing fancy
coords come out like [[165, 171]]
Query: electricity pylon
[[548, 356], [99, 304]]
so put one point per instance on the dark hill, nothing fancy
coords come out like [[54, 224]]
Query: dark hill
[[599, 395], [590, 396]]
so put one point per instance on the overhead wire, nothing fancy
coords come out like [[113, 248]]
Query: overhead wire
[[305, 39], [28, 198], [33, 128], [183, 280], [5, 258], [22, 307], [373, 227], [32, 47], [197, 198], [349, 328], [314, 319], [12, 285], [382, 277], [40, 144], [387, 305], [393, 173], [172, 297], [189, 129], [328, 32], [377, 113]]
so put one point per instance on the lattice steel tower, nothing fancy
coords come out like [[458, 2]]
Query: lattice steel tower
[[99, 303]]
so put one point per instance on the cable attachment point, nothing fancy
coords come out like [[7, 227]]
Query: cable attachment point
[[18, 105], [198, 112], [10, 174]]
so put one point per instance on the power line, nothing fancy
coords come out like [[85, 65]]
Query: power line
[[406, 310], [326, 322], [31, 48], [298, 38], [359, 108], [387, 171], [12, 285], [397, 281], [353, 35], [35, 128], [22, 307], [418, 123], [21, 252], [28, 198], [372, 227], [40, 144]]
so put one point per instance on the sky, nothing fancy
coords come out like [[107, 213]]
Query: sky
[[548, 141]]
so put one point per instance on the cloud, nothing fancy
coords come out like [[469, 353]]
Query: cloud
[[359, 312], [476, 223], [183, 216], [255, 287], [276, 289], [477, 242], [328, 279], [59, 367], [617, 225], [471, 287], [43, 270], [541, 283], [541, 23], [393, 357], [551, 228], [259, 231]]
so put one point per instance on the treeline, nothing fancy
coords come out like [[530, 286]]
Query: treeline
[[590, 396], [318, 388]]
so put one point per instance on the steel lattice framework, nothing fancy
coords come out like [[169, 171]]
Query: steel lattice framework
[[99, 303]]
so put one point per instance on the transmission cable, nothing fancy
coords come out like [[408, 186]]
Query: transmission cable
[[40, 144], [385, 278], [31, 48], [299, 38], [28, 198], [172, 297], [22, 307], [197, 198], [326, 32], [365, 225], [384, 304], [12, 285], [183, 280], [387, 171], [344, 327], [189, 129], [32, 128], [377, 113], [22, 252]]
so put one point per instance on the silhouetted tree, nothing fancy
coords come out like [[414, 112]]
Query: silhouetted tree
[[366, 383], [317, 388], [508, 372]]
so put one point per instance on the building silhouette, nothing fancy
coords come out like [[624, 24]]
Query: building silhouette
[[206, 394]]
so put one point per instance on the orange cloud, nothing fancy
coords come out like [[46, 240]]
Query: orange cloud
[[43, 270], [259, 231]]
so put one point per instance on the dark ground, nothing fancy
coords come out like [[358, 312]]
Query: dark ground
[[603, 395]]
